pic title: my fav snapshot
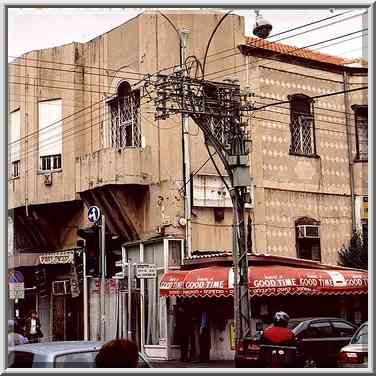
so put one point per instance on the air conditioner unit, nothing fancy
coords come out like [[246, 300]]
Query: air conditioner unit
[[47, 178], [308, 231], [61, 287]]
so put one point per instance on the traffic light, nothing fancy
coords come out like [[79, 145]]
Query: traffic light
[[91, 236], [120, 270], [40, 281]]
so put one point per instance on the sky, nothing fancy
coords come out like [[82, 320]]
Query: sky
[[33, 28]]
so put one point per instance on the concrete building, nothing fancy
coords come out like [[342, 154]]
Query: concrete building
[[82, 133]]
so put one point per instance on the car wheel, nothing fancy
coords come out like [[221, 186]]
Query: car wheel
[[310, 363]]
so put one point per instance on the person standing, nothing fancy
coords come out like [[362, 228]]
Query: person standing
[[14, 334], [183, 331], [204, 336], [33, 327]]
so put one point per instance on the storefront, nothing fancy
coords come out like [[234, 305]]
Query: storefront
[[310, 290], [52, 289]]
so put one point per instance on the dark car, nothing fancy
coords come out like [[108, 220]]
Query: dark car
[[355, 354], [319, 341]]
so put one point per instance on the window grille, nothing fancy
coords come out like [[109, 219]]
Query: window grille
[[50, 162], [15, 169], [361, 125], [125, 121], [302, 137], [302, 126]]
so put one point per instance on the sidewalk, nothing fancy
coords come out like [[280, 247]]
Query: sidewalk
[[179, 364]]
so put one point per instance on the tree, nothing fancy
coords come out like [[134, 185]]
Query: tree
[[355, 254]]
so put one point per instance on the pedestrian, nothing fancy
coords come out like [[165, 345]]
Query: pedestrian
[[33, 328], [204, 337], [117, 353], [183, 331], [278, 333], [14, 334]]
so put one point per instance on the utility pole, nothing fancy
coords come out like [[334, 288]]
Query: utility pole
[[85, 292], [183, 34], [103, 276], [216, 108], [129, 300]]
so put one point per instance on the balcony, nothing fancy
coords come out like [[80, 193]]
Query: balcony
[[127, 166]]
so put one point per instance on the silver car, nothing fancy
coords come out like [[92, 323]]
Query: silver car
[[64, 354], [355, 354]]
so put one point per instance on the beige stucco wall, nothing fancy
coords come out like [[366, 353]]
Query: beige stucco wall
[[286, 186]]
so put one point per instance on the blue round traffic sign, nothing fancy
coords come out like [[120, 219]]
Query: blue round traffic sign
[[93, 214]]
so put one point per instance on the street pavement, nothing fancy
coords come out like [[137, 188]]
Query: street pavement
[[178, 364]]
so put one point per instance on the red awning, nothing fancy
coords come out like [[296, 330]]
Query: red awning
[[264, 281]]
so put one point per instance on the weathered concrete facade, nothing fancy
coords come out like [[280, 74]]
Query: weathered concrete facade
[[139, 187]]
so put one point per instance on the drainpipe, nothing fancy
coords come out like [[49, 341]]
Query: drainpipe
[[349, 147]]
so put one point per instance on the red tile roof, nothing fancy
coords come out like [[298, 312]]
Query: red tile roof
[[295, 51]]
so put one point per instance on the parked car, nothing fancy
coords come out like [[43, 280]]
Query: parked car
[[321, 339], [355, 354], [319, 342], [64, 354]]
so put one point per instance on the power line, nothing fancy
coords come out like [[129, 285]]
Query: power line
[[315, 97]]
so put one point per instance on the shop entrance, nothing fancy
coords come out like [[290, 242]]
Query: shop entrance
[[66, 318]]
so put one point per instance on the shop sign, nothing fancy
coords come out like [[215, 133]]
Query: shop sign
[[65, 257], [16, 290], [365, 208], [146, 271], [232, 335]]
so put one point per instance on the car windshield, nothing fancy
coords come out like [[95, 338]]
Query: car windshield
[[361, 336]]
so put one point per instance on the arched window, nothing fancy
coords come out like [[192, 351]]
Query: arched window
[[125, 117], [308, 239], [302, 126]]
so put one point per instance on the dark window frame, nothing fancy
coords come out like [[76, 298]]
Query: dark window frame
[[51, 162], [307, 102], [358, 111], [124, 115], [16, 165], [314, 241]]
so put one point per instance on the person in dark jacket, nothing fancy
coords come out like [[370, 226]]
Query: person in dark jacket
[[183, 331], [33, 328]]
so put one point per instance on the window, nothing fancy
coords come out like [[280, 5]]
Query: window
[[125, 117], [50, 162], [15, 144], [361, 131], [15, 169], [308, 239], [302, 126], [343, 329], [361, 336], [50, 134], [321, 329]]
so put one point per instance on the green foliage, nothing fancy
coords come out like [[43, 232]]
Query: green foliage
[[355, 254]]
